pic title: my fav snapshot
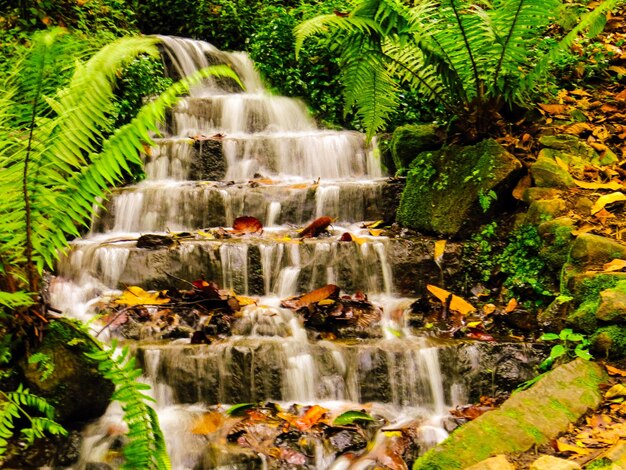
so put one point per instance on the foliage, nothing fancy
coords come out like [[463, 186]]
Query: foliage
[[517, 262], [570, 345], [146, 446], [477, 60], [46, 365], [21, 404]]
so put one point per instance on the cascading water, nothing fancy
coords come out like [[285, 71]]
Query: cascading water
[[227, 153]]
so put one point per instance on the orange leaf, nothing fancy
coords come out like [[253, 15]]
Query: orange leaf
[[565, 447], [316, 227], [247, 224], [512, 305], [440, 248], [578, 128], [614, 185], [522, 185], [554, 108], [615, 371], [457, 303], [207, 423], [615, 265], [310, 418], [315, 296]]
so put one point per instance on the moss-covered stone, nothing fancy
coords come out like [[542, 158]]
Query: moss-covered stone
[[576, 149], [547, 173], [544, 210], [557, 238], [75, 387], [445, 188], [612, 306], [408, 141], [584, 317], [609, 342], [594, 251], [553, 317], [526, 419]]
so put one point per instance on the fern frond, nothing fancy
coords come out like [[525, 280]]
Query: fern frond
[[146, 446]]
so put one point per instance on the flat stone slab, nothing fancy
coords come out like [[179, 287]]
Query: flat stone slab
[[530, 417]]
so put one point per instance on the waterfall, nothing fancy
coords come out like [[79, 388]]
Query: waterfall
[[226, 153]]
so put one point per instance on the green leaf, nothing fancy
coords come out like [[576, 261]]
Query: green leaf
[[557, 351], [549, 337], [349, 417], [239, 409]]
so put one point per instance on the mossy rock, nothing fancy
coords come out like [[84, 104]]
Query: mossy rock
[[612, 308], [609, 342], [547, 173], [557, 239], [554, 316], [576, 150], [408, 141], [591, 251], [584, 317], [75, 387], [444, 188], [531, 417], [544, 210]]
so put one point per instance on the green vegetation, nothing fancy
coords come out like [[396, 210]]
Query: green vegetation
[[570, 345], [478, 61]]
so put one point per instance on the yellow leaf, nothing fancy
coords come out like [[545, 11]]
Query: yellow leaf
[[207, 423], [376, 232], [457, 303], [137, 296], [565, 447], [584, 229], [615, 265], [607, 199], [618, 390], [243, 300], [512, 305], [373, 224], [618, 69], [474, 324], [440, 248], [207, 235], [359, 240], [488, 309], [614, 185], [326, 302]]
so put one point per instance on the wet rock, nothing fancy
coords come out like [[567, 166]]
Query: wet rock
[[154, 242], [553, 317], [544, 209], [58, 451], [408, 141], [499, 462], [557, 238], [347, 440], [549, 462], [209, 162], [494, 369], [535, 194], [528, 418], [391, 194], [75, 387], [439, 197], [547, 173]]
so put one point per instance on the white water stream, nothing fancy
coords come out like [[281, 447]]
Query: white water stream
[[301, 173]]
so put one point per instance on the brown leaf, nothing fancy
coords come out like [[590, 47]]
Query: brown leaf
[[316, 227], [246, 224], [578, 128], [207, 423], [346, 237]]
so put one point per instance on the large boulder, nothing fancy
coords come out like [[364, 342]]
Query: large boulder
[[456, 188], [531, 417]]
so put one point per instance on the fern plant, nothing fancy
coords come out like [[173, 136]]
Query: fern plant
[[146, 446], [472, 58], [21, 404]]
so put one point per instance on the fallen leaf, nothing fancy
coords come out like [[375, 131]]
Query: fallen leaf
[[554, 108], [315, 296], [440, 248], [618, 69], [488, 309], [243, 300], [618, 390], [246, 224], [512, 305], [584, 229], [239, 409], [615, 265], [565, 447], [457, 303], [350, 417], [376, 232], [615, 371], [316, 227], [310, 418], [578, 128], [135, 295], [602, 201], [207, 423], [614, 185]]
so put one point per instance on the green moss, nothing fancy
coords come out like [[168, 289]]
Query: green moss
[[609, 341], [591, 288], [584, 317], [407, 142], [436, 461], [620, 286]]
